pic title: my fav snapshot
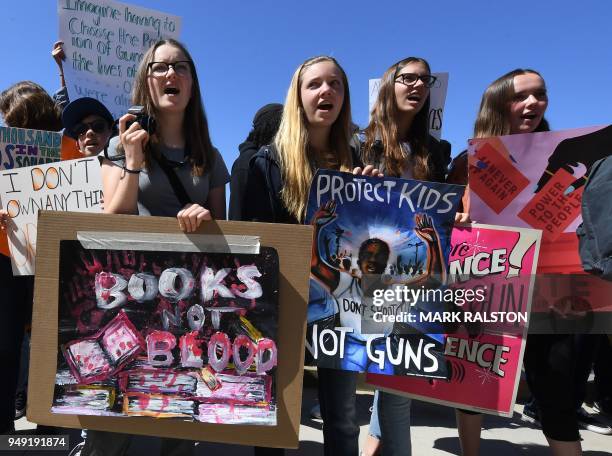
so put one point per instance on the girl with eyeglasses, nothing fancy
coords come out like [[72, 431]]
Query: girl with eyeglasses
[[398, 143], [397, 139], [515, 103], [167, 87], [136, 171], [314, 133]]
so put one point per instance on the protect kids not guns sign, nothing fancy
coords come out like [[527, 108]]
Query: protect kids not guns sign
[[73, 185]]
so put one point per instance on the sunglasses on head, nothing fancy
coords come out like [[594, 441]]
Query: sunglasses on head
[[97, 126]]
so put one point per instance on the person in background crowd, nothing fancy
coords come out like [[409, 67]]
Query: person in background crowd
[[61, 96], [27, 105], [265, 125], [398, 143], [603, 377], [134, 175], [23, 105], [89, 123]]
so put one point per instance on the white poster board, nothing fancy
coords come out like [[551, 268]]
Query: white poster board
[[436, 102], [72, 185], [104, 42]]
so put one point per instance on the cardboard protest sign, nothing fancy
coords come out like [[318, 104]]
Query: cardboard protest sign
[[72, 185], [485, 350], [366, 226], [126, 335], [165, 334], [20, 147], [104, 42], [437, 98], [536, 180]]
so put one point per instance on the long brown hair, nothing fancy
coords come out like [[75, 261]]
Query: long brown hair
[[493, 117], [291, 141], [27, 105], [195, 124], [383, 127]]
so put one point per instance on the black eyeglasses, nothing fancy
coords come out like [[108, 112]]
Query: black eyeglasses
[[409, 79], [97, 126], [180, 67]]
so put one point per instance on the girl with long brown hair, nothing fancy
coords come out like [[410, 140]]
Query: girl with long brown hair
[[167, 87], [512, 104], [136, 171], [398, 143], [397, 138]]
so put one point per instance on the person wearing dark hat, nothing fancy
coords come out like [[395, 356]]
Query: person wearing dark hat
[[265, 125], [88, 122]]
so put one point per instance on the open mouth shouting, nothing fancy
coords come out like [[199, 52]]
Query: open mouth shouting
[[325, 106], [414, 97], [171, 90]]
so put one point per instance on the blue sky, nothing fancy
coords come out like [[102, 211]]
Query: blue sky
[[246, 52]]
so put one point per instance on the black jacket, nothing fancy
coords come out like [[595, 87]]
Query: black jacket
[[238, 183], [262, 200], [439, 155]]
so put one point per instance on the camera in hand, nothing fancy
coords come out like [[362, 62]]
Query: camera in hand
[[146, 122]]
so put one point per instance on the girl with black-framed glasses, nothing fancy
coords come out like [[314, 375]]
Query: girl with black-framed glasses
[[398, 143]]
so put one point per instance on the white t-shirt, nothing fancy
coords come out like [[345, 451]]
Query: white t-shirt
[[348, 295]]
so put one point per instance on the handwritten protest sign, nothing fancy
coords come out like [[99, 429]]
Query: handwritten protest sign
[[73, 185], [21, 147], [484, 353], [104, 41], [437, 98]]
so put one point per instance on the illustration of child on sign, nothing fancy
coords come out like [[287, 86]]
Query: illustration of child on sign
[[346, 288]]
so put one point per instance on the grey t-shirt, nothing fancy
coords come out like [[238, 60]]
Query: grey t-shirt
[[156, 196]]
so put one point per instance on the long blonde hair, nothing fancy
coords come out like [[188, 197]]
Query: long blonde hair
[[291, 142]]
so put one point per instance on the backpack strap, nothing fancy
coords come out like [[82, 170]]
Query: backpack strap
[[175, 182]]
